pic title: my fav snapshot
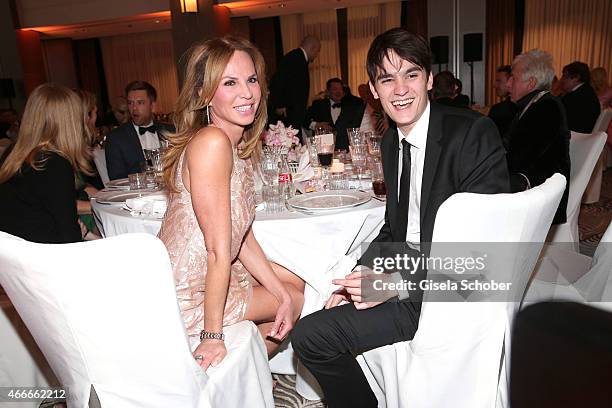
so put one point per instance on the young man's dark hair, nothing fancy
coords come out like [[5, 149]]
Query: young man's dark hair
[[578, 69], [408, 46], [142, 86]]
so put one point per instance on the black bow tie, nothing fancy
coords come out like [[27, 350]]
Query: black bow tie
[[336, 105], [142, 129]]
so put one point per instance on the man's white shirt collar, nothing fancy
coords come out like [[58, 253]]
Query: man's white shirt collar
[[418, 135], [577, 86], [305, 55]]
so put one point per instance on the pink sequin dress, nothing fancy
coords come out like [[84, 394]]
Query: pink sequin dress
[[184, 241]]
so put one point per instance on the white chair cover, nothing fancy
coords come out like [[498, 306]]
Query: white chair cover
[[584, 153], [570, 276], [593, 189], [454, 358], [100, 162], [104, 313]]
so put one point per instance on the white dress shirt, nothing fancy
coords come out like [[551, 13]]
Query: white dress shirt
[[148, 140], [335, 113], [418, 141]]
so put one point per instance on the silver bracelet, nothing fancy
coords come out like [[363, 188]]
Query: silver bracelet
[[205, 335]]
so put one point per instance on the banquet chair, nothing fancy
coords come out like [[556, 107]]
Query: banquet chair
[[564, 275], [593, 189], [584, 153], [100, 162], [458, 356], [115, 326]]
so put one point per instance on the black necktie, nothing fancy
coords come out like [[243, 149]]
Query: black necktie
[[404, 195], [142, 129], [336, 105]]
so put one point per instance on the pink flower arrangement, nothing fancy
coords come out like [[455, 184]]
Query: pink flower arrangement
[[279, 135]]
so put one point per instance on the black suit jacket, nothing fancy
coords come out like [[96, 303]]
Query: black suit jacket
[[502, 114], [351, 113], [123, 150], [289, 88], [539, 147], [463, 153], [582, 109]]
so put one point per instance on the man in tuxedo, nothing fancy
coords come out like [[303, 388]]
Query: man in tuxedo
[[124, 145], [580, 100], [336, 112], [502, 113], [431, 153], [538, 135], [290, 85]]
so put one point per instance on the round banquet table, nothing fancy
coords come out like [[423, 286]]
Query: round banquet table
[[316, 247]]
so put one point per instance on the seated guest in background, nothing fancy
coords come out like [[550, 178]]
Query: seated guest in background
[[580, 100], [335, 113], [374, 119], [443, 90], [433, 152], [350, 98], [503, 112], [88, 185], [461, 100], [222, 275], [124, 145], [9, 124], [599, 81], [538, 136], [37, 179]]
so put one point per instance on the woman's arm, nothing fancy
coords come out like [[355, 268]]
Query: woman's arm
[[252, 257], [209, 169]]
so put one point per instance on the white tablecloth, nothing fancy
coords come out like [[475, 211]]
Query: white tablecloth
[[317, 248], [22, 364]]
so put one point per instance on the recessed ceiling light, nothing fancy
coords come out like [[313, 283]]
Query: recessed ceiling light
[[156, 21]]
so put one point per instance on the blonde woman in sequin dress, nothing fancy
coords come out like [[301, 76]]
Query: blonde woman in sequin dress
[[221, 273]]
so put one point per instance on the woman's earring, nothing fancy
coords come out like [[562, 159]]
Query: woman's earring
[[208, 122]]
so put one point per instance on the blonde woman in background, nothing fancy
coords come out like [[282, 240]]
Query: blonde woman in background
[[222, 275], [37, 179]]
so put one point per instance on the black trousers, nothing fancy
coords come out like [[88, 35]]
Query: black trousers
[[328, 341]]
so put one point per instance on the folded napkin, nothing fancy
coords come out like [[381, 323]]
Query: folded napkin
[[153, 205], [305, 170]]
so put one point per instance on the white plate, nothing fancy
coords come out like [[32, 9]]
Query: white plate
[[119, 184], [119, 197], [329, 200]]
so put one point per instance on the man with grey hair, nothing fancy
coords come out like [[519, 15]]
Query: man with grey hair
[[538, 138]]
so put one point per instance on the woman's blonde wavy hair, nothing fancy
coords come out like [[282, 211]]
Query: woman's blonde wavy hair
[[53, 121], [205, 65]]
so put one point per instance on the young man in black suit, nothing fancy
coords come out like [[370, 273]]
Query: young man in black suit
[[433, 152], [336, 112], [580, 100], [290, 85], [538, 136], [124, 145]]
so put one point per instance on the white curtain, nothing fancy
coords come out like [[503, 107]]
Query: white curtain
[[365, 23], [144, 56], [322, 25]]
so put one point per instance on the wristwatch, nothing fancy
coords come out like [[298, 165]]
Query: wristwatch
[[204, 335]]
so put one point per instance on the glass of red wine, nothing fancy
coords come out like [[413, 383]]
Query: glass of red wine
[[378, 179], [325, 154]]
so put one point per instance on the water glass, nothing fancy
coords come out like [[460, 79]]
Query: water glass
[[311, 144], [359, 154], [138, 181], [355, 136], [374, 142]]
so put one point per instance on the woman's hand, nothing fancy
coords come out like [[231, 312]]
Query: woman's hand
[[209, 352], [283, 323]]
